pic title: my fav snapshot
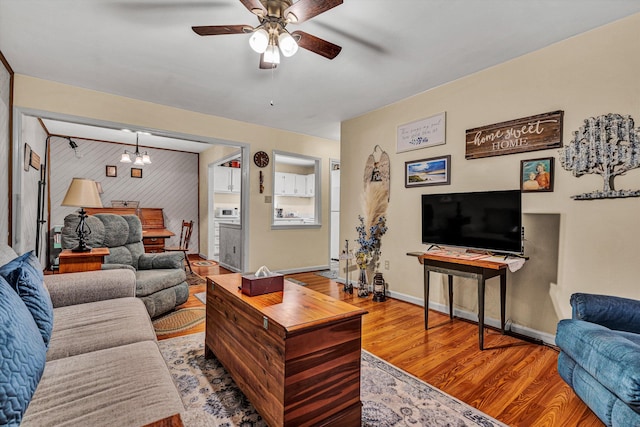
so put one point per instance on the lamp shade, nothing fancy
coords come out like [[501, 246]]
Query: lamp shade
[[259, 40], [287, 44], [83, 193], [272, 55]]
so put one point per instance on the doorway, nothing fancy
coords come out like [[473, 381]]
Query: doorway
[[334, 251]]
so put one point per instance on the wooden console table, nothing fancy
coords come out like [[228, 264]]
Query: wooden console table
[[477, 269], [73, 262], [295, 354]]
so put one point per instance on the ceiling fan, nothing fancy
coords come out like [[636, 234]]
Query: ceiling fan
[[271, 33]]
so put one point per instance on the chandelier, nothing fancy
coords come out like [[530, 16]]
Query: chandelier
[[141, 159]]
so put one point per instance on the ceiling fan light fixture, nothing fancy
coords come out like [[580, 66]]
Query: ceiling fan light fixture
[[259, 40], [272, 55], [287, 44]]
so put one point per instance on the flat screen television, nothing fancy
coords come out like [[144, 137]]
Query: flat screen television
[[488, 220]]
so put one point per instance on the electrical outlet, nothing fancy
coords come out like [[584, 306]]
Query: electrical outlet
[[267, 199], [386, 265]]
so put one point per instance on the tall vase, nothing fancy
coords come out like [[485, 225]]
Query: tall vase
[[363, 284]]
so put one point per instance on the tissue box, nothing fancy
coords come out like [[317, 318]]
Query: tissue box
[[252, 285]]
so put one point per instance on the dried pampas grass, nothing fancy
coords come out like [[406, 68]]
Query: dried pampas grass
[[375, 200]]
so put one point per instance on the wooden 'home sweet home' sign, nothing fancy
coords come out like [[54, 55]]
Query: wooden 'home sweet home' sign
[[515, 136]]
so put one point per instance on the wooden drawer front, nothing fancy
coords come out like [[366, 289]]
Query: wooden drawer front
[[153, 245]]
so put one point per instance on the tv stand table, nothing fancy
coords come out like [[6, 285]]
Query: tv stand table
[[477, 269]]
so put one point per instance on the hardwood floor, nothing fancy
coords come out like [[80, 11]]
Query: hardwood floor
[[513, 381]]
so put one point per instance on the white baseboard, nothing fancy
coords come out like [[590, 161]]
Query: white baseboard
[[304, 269], [463, 314]]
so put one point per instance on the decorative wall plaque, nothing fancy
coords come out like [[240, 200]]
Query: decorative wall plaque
[[608, 146], [533, 133], [421, 133]]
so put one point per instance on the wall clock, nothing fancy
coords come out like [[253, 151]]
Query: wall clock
[[261, 159]]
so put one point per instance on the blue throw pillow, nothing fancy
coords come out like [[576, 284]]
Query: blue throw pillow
[[22, 356], [24, 274]]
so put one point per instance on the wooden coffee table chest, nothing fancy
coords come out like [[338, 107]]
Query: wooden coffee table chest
[[295, 354]]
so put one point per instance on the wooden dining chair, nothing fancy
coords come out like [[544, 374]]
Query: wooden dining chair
[[183, 246]]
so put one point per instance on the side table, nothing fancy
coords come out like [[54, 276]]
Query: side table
[[73, 262], [478, 269]]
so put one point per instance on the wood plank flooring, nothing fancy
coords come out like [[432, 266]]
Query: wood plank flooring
[[513, 381]]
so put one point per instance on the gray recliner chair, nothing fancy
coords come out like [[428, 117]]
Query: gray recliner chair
[[160, 277]]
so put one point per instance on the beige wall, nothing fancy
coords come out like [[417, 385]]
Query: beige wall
[[588, 75], [278, 249]]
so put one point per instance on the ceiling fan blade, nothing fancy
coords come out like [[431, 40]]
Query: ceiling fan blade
[[266, 65], [307, 9], [216, 30], [316, 44], [255, 7]]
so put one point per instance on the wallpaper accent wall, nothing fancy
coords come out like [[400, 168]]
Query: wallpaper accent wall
[[170, 182], [5, 133]]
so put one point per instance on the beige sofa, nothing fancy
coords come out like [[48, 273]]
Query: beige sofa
[[103, 366]]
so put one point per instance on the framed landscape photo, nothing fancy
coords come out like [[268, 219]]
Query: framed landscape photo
[[111, 171], [432, 171], [536, 175], [136, 173]]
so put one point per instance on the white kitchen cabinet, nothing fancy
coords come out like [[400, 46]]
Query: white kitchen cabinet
[[226, 180], [300, 185], [293, 185], [310, 185], [278, 184]]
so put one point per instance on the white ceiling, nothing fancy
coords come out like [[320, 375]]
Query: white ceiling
[[392, 49]]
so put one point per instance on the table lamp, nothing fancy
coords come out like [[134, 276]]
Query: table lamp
[[82, 193]]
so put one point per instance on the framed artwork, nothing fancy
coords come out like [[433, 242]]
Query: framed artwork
[[433, 171], [422, 133], [27, 157], [536, 175], [35, 160], [111, 171], [136, 173]]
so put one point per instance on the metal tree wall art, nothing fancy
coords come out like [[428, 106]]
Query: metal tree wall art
[[607, 145]]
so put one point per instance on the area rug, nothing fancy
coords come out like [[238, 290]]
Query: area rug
[[179, 320], [193, 279], [330, 274], [202, 297], [297, 282], [204, 263], [390, 396]]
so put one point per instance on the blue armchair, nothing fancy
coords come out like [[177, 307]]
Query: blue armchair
[[600, 356]]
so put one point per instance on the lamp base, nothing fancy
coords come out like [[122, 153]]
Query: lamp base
[[82, 247], [83, 231]]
